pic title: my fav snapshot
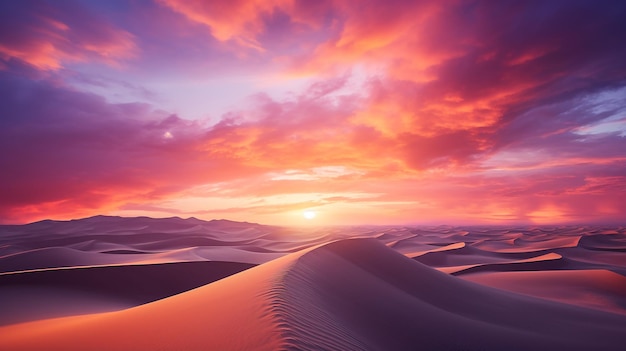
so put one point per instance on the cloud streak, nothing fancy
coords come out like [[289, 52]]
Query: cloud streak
[[389, 112], [48, 35]]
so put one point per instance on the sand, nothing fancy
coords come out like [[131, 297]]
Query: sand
[[360, 288]]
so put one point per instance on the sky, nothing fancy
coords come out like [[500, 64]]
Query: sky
[[360, 112]]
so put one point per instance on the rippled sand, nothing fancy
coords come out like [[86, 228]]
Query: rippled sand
[[115, 283]]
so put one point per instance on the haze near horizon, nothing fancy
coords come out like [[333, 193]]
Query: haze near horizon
[[314, 112]]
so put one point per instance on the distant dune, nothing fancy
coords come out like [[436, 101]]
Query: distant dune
[[68, 291], [111, 283]]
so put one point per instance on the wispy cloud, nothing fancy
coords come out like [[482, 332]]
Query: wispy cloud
[[391, 111]]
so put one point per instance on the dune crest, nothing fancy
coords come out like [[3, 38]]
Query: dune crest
[[354, 294]]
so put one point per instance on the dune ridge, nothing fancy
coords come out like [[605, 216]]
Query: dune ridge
[[423, 307], [101, 288], [352, 288], [354, 294]]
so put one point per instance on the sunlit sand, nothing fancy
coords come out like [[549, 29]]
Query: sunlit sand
[[110, 283]]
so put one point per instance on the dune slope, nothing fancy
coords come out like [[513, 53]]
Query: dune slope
[[352, 294], [379, 300], [57, 292]]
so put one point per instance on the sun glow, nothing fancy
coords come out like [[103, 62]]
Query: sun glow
[[308, 214]]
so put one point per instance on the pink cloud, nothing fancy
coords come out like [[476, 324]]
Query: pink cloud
[[48, 36], [466, 112], [254, 24]]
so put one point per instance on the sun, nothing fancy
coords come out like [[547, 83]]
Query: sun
[[308, 214]]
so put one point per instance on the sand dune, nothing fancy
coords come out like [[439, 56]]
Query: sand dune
[[607, 242], [60, 292], [543, 262], [226, 315], [106, 240], [430, 309], [348, 295], [112, 283], [518, 242], [597, 289]]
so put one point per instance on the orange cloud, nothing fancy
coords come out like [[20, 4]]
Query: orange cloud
[[472, 111], [244, 21], [53, 37]]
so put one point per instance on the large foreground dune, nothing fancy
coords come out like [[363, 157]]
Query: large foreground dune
[[383, 289]]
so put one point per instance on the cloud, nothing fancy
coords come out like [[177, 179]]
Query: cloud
[[253, 24], [76, 149], [472, 111], [49, 35]]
